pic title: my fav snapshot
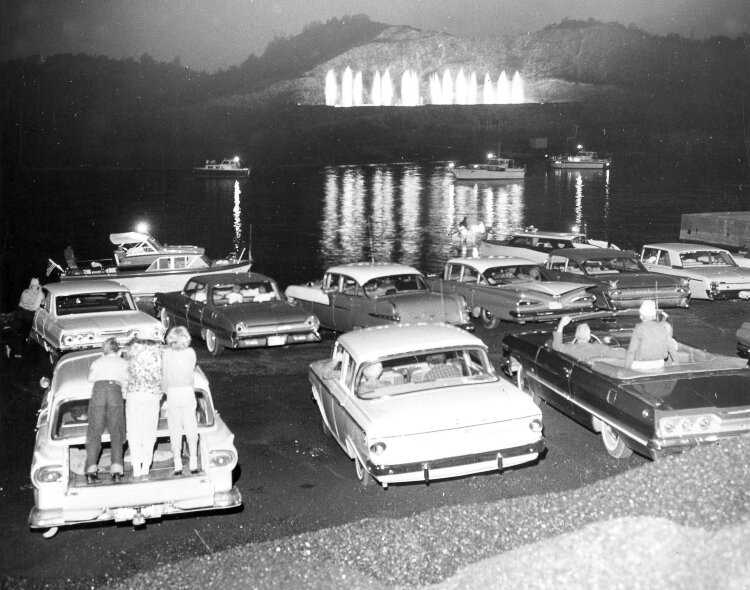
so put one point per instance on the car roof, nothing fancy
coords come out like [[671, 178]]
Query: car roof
[[381, 341], [482, 263], [365, 271], [84, 286], [683, 247], [70, 378], [229, 277], [564, 235], [582, 254]]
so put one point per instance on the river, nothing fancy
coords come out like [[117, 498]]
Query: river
[[298, 221]]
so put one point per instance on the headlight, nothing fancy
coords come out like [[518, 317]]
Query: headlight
[[377, 448], [714, 286], [535, 425], [239, 328], [221, 458], [612, 284], [313, 322], [48, 474]]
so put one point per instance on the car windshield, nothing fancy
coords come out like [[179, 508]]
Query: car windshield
[[612, 266], [243, 292], [706, 257], [391, 285], [501, 275], [424, 370], [94, 303]]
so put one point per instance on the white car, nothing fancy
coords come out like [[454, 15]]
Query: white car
[[81, 315], [61, 494], [713, 272], [436, 410], [536, 245]]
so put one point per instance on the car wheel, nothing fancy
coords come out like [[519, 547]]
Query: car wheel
[[523, 385], [489, 321], [362, 474], [49, 533], [165, 319], [212, 343], [614, 444]]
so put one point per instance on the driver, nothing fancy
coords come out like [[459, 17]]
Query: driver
[[583, 346]]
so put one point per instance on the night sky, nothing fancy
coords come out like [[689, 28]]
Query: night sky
[[216, 34]]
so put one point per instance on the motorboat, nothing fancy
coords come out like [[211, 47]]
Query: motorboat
[[227, 168], [581, 160], [494, 169], [146, 267]]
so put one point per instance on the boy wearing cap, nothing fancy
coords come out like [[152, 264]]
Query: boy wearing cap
[[651, 343]]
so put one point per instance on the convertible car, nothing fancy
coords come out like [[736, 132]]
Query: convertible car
[[713, 272], [236, 310], [81, 315], [422, 402], [63, 498], [699, 398], [621, 281], [511, 289], [364, 294]]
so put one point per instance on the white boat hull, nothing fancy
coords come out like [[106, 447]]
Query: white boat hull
[[479, 174], [600, 165]]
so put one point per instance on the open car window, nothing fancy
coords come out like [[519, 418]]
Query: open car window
[[418, 372], [70, 418], [391, 285]]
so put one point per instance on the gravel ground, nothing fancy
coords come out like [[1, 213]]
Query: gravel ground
[[680, 522]]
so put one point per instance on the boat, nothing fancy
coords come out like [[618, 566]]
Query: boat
[[581, 160], [147, 267], [228, 168], [494, 169]]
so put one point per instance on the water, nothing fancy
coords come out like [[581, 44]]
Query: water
[[299, 221]]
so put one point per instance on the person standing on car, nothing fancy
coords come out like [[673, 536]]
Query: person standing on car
[[178, 370], [109, 374], [651, 343], [144, 393], [32, 298]]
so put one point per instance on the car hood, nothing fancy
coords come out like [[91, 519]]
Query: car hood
[[105, 321], [551, 288], [425, 306], [731, 390], [445, 408], [266, 312]]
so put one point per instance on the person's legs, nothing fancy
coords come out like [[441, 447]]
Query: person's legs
[[190, 425], [134, 427], [150, 420], [97, 418], [175, 420], [116, 426]]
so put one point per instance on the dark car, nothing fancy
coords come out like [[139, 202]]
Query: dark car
[[622, 282], [743, 339], [699, 399], [236, 310]]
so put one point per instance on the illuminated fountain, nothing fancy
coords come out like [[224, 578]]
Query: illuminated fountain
[[386, 89], [488, 93], [516, 89], [376, 92], [346, 88], [502, 95], [331, 89], [357, 90]]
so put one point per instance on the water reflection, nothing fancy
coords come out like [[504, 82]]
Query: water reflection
[[237, 221]]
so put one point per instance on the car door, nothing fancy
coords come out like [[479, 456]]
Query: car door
[[196, 307], [178, 306], [346, 428], [330, 288], [553, 370], [41, 321], [349, 309]]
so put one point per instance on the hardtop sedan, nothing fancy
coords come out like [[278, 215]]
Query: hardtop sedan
[[511, 289], [621, 281], [365, 294], [421, 402], [535, 245], [81, 315], [699, 398], [236, 310], [713, 272], [62, 496]]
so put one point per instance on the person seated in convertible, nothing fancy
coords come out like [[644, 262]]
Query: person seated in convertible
[[583, 347]]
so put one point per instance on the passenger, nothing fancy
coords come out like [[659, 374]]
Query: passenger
[[651, 343], [70, 258], [109, 374], [178, 369], [439, 369], [200, 294], [234, 296], [582, 347], [32, 298], [144, 393], [535, 274], [371, 378]]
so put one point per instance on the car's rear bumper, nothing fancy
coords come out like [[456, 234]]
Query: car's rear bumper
[[547, 315], [659, 448], [456, 466], [267, 340]]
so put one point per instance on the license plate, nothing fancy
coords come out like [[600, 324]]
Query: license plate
[[276, 340], [555, 305]]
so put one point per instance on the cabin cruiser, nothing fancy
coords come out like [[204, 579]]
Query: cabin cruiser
[[580, 160], [228, 168], [494, 169]]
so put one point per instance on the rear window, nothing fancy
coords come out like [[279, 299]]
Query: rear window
[[94, 303]]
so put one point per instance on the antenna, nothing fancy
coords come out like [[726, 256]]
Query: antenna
[[369, 231]]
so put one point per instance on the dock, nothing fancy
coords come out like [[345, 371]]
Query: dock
[[730, 229]]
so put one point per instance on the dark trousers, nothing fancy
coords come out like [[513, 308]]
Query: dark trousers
[[23, 320], [106, 409]]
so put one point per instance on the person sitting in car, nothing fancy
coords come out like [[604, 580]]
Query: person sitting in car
[[582, 347]]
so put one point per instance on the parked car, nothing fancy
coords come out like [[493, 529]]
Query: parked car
[[435, 408], [536, 245], [81, 315], [621, 280], [61, 494], [511, 289], [363, 294], [236, 310], [712, 272], [700, 399], [743, 339]]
